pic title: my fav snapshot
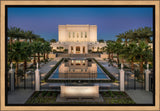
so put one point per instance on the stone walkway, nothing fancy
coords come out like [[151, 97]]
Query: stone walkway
[[19, 96], [141, 96]]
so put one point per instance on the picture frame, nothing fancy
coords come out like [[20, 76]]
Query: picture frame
[[83, 2]]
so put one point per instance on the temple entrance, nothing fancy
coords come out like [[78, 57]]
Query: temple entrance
[[77, 50]]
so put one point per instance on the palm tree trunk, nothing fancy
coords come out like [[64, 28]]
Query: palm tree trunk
[[118, 59], [16, 68], [132, 65], [44, 57], [10, 41], [34, 61], [122, 60], [47, 55], [29, 40], [25, 65], [141, 69], [125, 42], [38, 58], [18, 39], [112, 56], [109, 56]]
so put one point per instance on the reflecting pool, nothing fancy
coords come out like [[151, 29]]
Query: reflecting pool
[[79, 69]]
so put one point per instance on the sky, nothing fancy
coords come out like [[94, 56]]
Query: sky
[[110, 21]]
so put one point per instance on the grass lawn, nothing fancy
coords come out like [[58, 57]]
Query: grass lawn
[[49, 97]]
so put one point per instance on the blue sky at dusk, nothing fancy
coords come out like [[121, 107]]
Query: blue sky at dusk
[[110, 21]]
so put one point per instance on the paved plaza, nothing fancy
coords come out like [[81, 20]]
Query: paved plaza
[[141, 96], [19, 96]]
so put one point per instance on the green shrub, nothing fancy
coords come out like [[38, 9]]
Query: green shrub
[[44, 93], [36, 94], [49, 93]]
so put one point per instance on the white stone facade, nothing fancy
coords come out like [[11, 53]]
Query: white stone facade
[[78, 39]]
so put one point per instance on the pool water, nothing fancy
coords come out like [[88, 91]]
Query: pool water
[[79, 69]]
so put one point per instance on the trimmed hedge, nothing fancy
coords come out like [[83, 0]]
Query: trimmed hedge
[[52, 70], [106, 71]]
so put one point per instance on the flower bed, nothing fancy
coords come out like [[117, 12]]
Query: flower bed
[[109, 97]]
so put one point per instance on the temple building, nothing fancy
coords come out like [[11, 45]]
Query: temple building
[[77, 39]]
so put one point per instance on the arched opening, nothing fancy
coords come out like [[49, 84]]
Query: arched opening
[[83, 50], [71, 49], [77, 49]]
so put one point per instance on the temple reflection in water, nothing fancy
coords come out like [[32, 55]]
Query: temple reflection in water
[[79, 68]]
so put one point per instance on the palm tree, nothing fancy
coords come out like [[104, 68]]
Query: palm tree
[[28, 34], [40, 39], [101, 41], [144, 33], [33, 47], [123, 36], [11, 33], [109, 49], [26, 53], [19, 33], [44, 48], [143, 53], [15, 55], [33, 37], [119, 40], [118, 49], [38, 49], [53, 40], [131, 53], [49, 49]]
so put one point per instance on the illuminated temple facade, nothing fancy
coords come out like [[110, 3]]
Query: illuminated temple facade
[[77, 39]]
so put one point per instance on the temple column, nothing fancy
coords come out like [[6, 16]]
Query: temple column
[[81, 49], [86, 49], [74, 49]]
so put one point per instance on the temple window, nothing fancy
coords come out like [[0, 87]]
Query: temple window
[[85, 34], [73, 34], [81, 34]]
